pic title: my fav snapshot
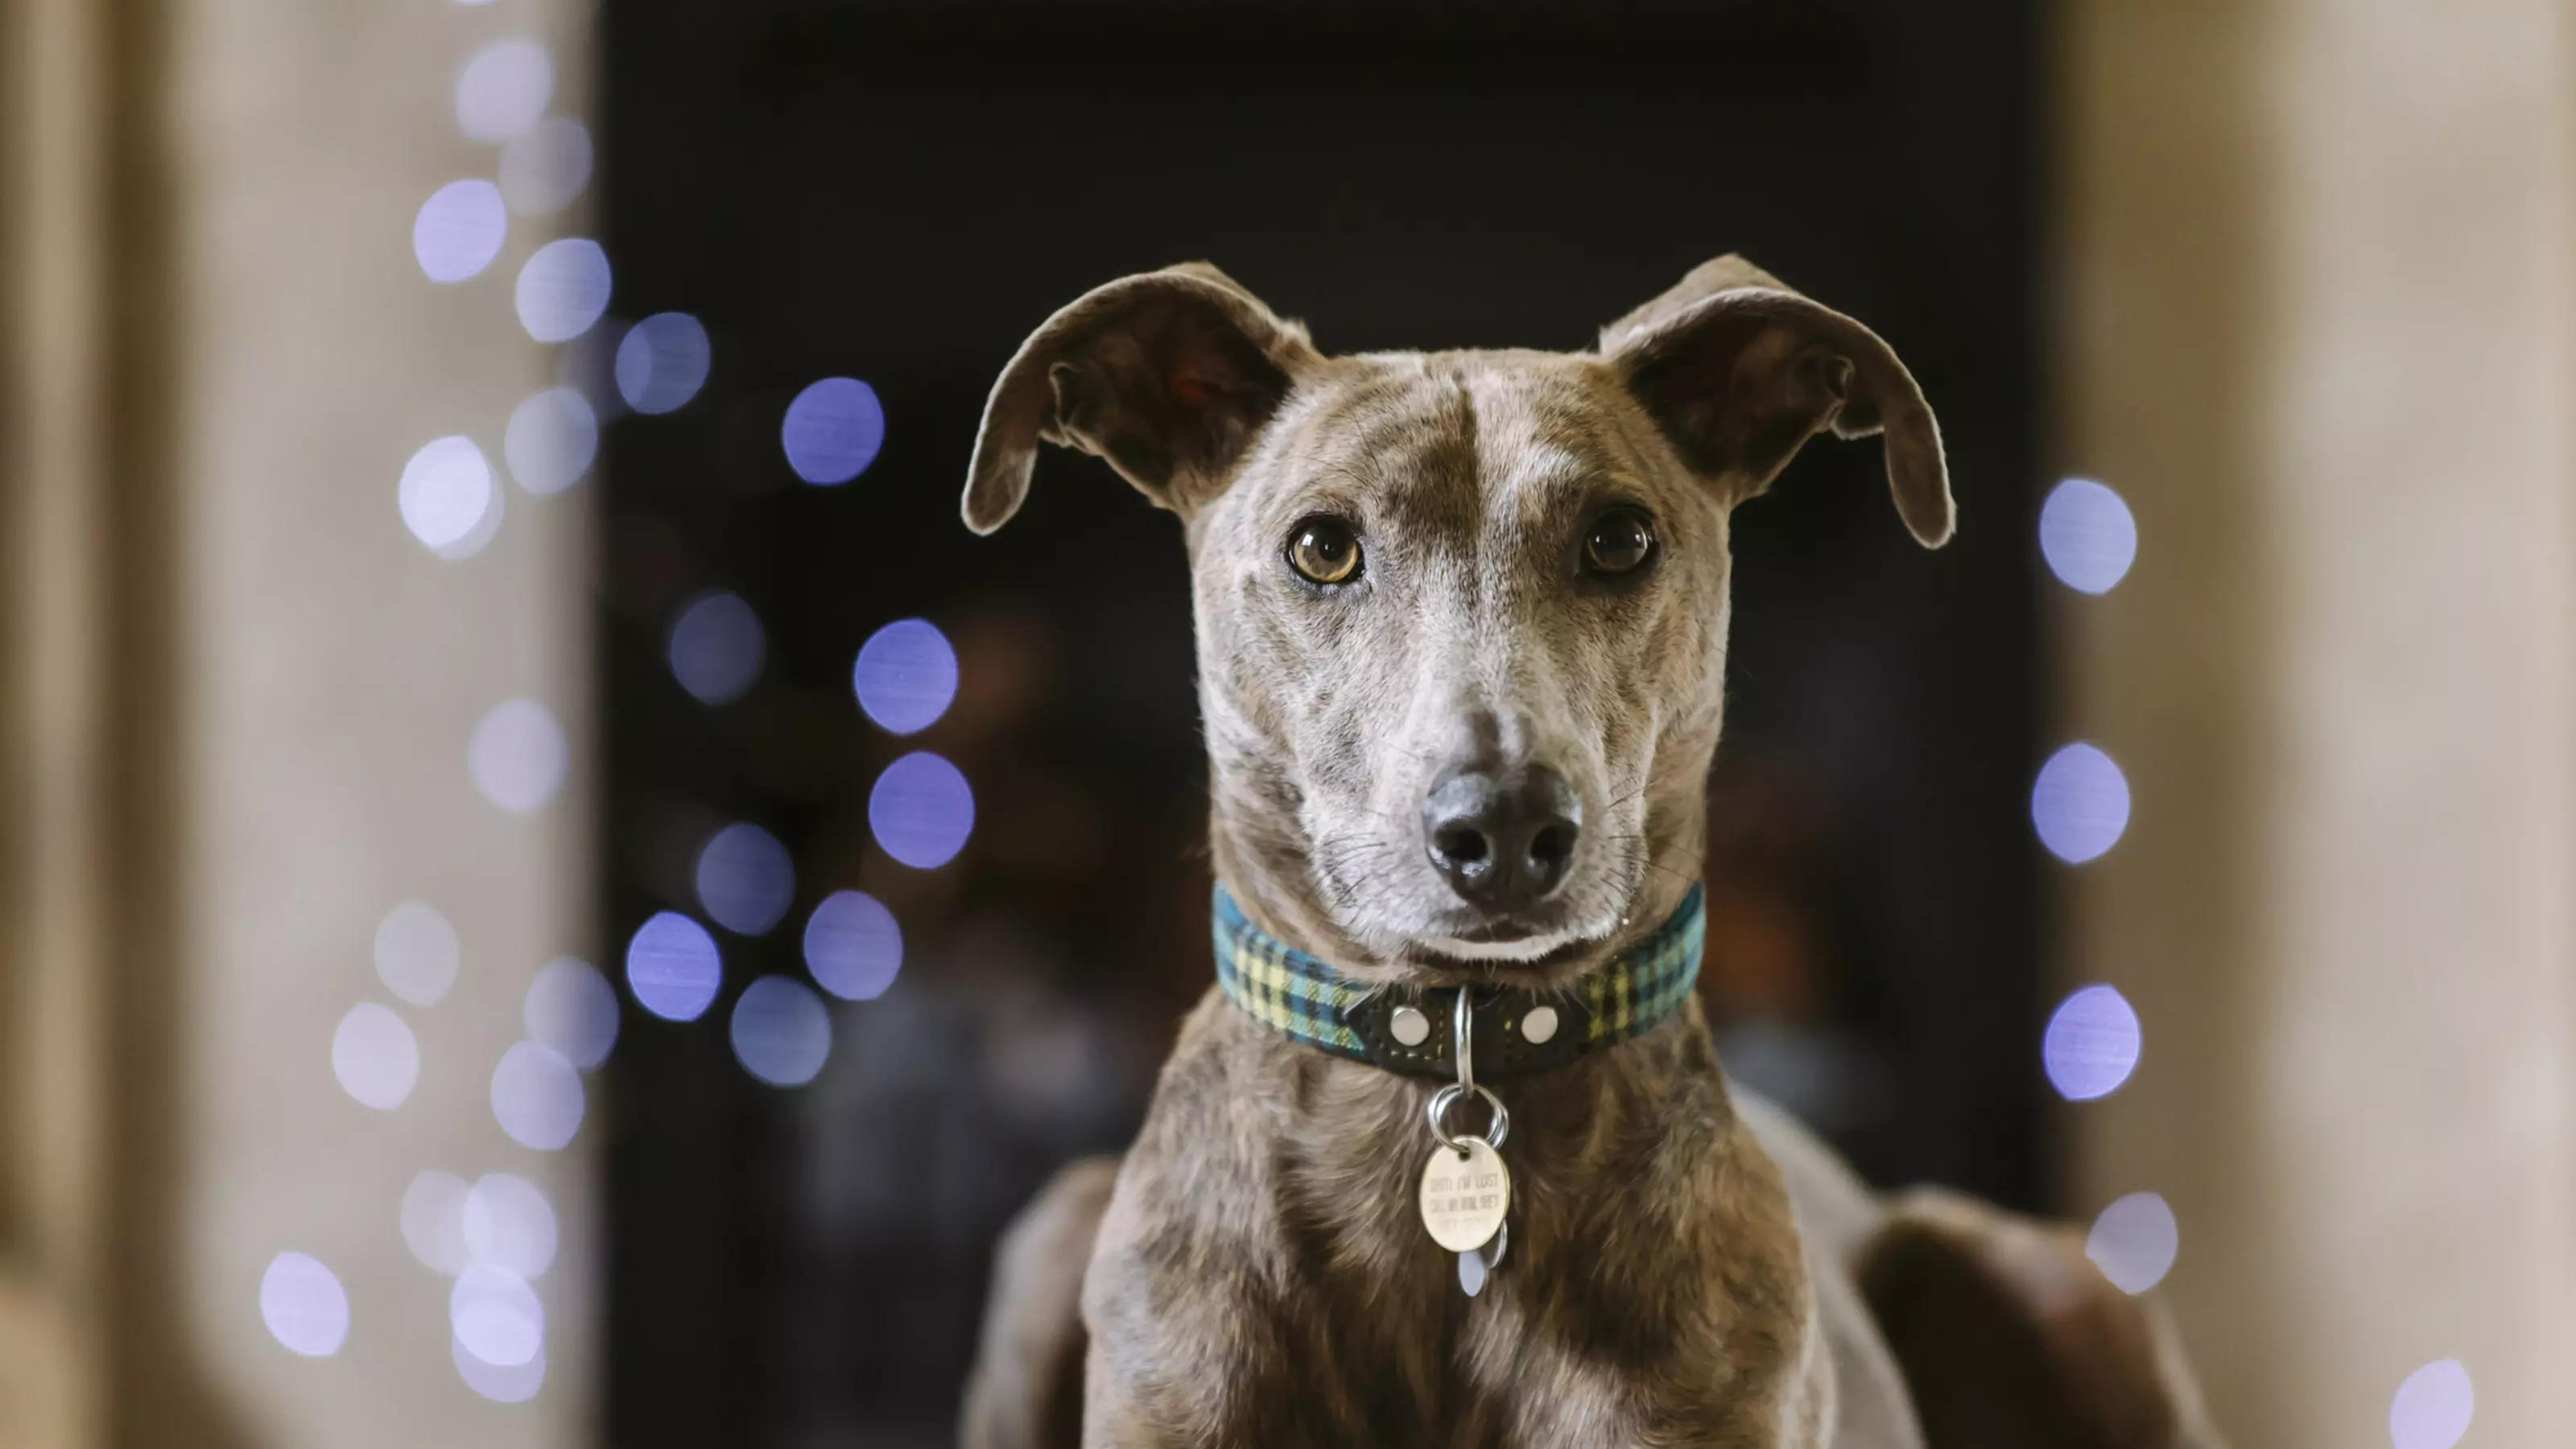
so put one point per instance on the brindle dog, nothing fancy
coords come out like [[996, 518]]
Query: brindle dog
[[1462, 625]]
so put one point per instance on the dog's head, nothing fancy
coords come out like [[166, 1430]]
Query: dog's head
[[1461, 616]]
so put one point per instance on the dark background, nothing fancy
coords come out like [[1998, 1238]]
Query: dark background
[[901, 192]]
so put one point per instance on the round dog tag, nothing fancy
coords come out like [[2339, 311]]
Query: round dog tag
[[1466, 1190]]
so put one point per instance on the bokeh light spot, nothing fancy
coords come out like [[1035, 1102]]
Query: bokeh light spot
[[745, 879], [433, 1221], [571, 1008], [447, 498], [496, 1316], [375, 1056], [662, 362], [509, 1225], [2092, 1044], [546, 167], [459, 230], [2087, 535], [906, 675], [782, 1032], [2433, 1407], [673, 968], [552, 439], [537, 1096], [716, 647], [833, 430], [853, 946], [2080, 804], [2133, 1242], [563, 289], [921, 810], [514, 1384], [503, 89], [518, 755], [304, 1305], [416, 953]]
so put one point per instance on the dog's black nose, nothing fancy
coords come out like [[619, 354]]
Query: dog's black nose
[[1503, 840]]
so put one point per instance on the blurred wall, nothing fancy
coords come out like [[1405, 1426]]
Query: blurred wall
[[239, 700], [2317, 280]]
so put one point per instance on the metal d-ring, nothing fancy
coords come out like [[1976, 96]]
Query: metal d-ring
[[1448, 1096]]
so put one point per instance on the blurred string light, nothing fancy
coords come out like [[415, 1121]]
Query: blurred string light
[[921, 810], [447, 499], [2080, 804], [546, 167], [745, 879], [375, 1056], [515, 1384], [2087, 535], [537, 1096], [503, 90], [781, 1032], [518, 755], [459, 230], [2134, 1241], [716, 647], [417, 953], [2433, 1407], [833, 430], [905, 676], [662, 362], [2091, 1045], [304, 1305], [673, 968], [508, 1224], [551, 441], [853, 946], [572, 1009], [563, 289], [433, 1221], [496, 1316]]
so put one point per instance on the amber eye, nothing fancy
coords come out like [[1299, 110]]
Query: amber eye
[[1620, 542], [1324, 551]]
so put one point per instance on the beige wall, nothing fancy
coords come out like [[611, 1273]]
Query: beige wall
[[240, 699], [2320, 329]]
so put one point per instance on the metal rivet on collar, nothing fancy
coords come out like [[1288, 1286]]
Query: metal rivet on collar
[[1539, 1027], [1409, 1026]]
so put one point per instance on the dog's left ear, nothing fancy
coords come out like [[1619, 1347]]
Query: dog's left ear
[[1166, 375], [1739, 371]]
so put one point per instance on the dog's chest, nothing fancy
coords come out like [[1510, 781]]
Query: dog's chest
[[1265, 1277]]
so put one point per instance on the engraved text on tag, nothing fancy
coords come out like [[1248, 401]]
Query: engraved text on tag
[[1465, 1194]]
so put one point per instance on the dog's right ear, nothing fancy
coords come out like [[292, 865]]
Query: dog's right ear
[[1166, 375]]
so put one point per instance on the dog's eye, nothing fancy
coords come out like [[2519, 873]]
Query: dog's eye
[[1324, 551], [1620, 542]]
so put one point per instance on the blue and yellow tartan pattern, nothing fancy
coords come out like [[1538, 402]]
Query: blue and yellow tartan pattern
[[1304, 998]]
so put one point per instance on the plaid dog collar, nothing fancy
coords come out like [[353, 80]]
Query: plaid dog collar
[[1516, 1031]]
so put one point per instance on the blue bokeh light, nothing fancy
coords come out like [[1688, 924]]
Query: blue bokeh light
[[781, 1031], [853, 946], [673, 968], [745, 879], [662, 362], [2079, 804], [833, 431], [906, 676], [2092, 1044], [921, 810], [717, 646]]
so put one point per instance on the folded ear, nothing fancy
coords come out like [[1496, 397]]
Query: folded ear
[[1167, 375], [1739, 371]]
